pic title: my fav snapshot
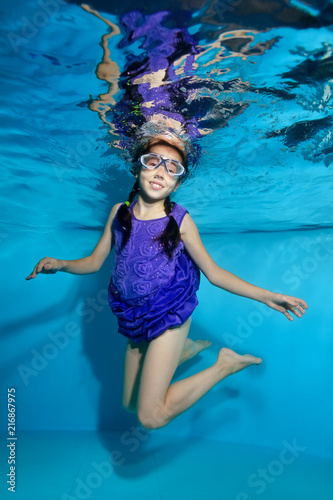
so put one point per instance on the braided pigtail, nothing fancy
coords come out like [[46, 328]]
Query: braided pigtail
[[170, 237], [125, 216]]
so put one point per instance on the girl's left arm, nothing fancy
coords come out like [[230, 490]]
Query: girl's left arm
[[230, 282]]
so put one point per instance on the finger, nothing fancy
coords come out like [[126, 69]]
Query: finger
[[303, 303], [34, 272], [300, 309], [300, 302], [39, 267], [288, 316], [49, 267], [296, 312], [294, 304]]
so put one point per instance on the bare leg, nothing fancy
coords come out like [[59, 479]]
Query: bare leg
[[159, 402], [183, 394], [193, 347], [134, 359]]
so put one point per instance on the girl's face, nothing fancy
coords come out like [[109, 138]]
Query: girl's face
[[158, 184]]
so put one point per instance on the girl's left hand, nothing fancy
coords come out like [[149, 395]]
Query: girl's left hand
[[285, 303]]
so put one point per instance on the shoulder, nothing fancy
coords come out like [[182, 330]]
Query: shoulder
[[112, 214], [179, 212], [114, 210], [178, 207], [188, 225], [116, 207]]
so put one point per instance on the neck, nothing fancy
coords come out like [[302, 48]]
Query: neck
[[149, 209]]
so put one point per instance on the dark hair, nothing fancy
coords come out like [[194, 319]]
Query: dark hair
[[125, 216], [170, 237]]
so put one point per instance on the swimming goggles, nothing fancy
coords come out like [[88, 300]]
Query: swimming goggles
[[153, 160]]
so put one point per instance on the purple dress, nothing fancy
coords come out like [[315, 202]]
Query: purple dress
[[148, 291]]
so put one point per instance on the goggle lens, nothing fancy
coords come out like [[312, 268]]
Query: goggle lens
[[153, 160]]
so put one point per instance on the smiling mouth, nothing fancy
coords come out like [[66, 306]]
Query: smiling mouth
[[155, 185]]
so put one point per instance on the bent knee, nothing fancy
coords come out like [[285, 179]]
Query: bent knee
[[148, 422], [154, 419]]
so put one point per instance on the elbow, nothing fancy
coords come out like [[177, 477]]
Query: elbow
[[211, 278], [213, 274], [95, 265]]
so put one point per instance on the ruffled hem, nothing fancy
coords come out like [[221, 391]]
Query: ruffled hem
[[170, 306]]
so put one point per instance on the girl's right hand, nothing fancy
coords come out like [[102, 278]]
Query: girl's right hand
[[48, 265]]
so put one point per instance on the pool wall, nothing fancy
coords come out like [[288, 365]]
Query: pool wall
[[62, 353]]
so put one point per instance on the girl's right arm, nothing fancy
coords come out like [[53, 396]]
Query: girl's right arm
[[230, 282], [87, 265]]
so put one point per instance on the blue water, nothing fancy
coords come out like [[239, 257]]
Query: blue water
[[269, 151], [252, 83]]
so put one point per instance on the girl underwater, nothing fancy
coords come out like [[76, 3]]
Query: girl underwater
[[152, 291]]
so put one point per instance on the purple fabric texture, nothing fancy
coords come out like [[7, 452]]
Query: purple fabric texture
[[148, 291], [154, 49]]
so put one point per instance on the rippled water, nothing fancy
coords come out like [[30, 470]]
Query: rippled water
[[251, 82]]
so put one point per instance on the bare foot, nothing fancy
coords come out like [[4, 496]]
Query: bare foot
[[230, 362], [193, 347]]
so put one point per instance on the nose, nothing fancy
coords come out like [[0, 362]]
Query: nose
[[160, 170]]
